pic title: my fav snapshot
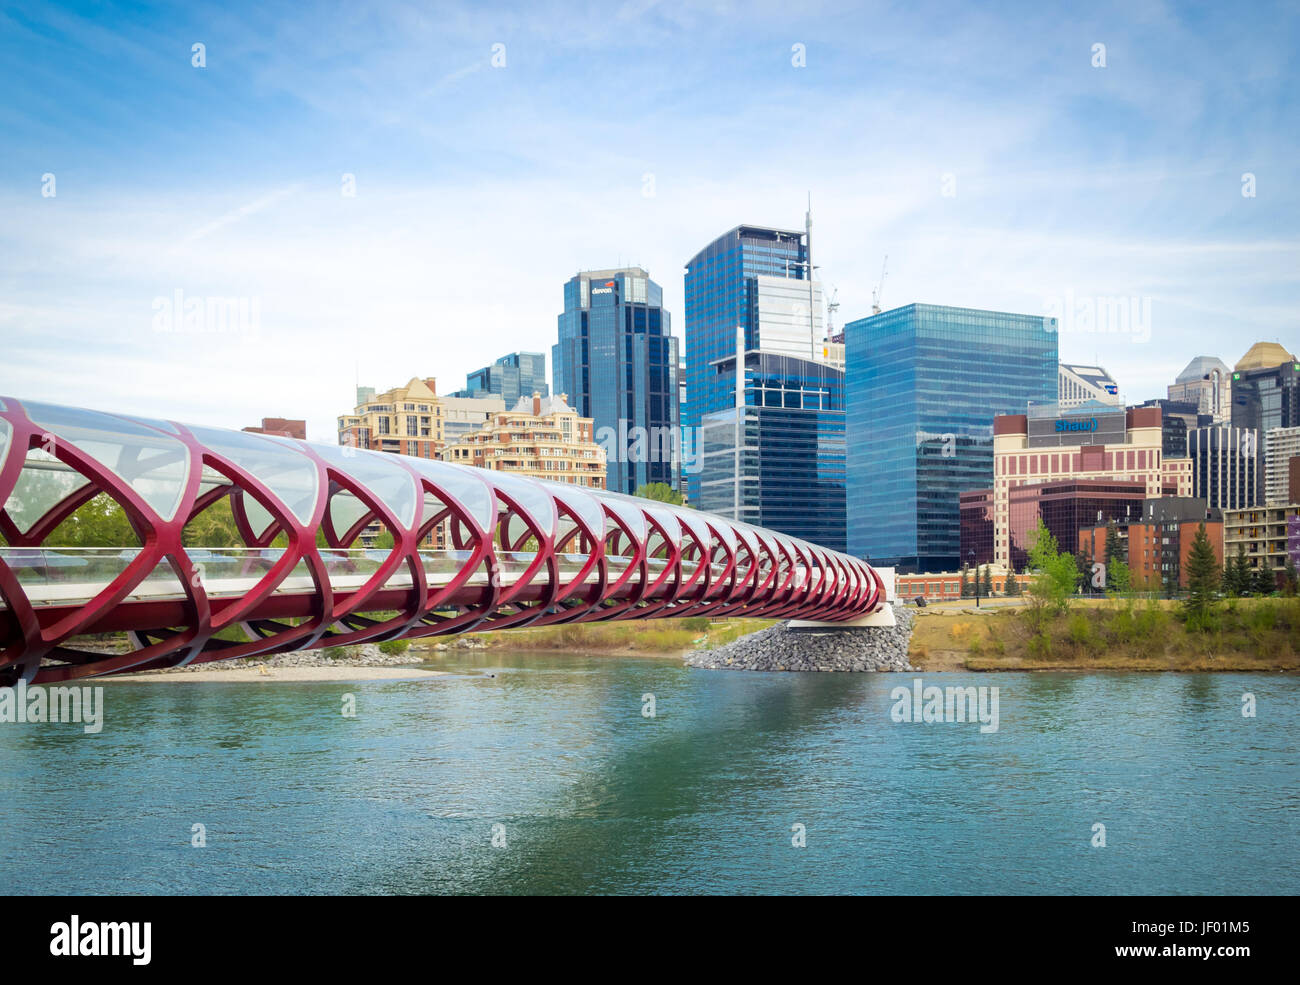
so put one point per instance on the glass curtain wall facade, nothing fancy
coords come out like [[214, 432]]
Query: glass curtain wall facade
[[519, 374], [792, 449], [722, 293], [616, 359], [924, 384]]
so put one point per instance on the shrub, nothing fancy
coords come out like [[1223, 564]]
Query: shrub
[[1079, 629], [393, 647]]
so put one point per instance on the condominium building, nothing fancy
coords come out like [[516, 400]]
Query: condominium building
[[1269, 535], [1156, 544], [462, 416], [406, 420], [540, 437]]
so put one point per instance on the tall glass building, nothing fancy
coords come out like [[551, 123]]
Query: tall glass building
[[924, 383], [789, 474], [616, 359], [754, 278], [519, 374]]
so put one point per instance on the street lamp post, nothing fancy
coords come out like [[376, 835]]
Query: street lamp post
[[977, 578]]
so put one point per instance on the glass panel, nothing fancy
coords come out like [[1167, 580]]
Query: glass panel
[[292, 477], [469, 490], [530, 496], [43, 483], [153, 464], [345, 510], [377, 472]]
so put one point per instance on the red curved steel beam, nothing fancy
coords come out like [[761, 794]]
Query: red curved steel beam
[[514, 551]]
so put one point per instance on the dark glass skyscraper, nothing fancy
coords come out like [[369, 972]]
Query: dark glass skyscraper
[[791, 462], [519, 374], [752, 277], [924, 382], [617, 361]]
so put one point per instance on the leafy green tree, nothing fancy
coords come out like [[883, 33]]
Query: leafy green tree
[[1118, 577], [1056, 573], [101, 522], [661, 492], [1203, 577]]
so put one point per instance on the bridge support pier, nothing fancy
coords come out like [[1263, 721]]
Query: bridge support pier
[[884, 616]]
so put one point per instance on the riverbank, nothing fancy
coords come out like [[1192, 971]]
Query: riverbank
[[1114, 635], [262, 674]]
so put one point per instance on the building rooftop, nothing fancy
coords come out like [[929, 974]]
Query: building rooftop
[[1201, 367], [1264, 355]]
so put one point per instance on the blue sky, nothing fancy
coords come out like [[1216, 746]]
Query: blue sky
[[617, 134]]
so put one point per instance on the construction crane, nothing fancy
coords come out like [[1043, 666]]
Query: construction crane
[[880, 287], [832, 306]]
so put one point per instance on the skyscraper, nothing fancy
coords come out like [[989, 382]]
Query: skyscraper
[[756, 279], [519, 374], [616, 359], [924, 383], [791, 449], [1265, 395]]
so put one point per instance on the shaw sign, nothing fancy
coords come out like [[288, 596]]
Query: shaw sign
[[1085, 424]]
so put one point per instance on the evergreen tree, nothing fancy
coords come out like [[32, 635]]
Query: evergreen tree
[[1265, 580], [988, 582], [1011, 584], [1112, 544], [965, 583], [1290, 578], [1203, 576]]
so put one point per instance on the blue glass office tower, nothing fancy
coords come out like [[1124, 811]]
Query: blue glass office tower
[[519, 374], [924, 383], [616, 359], [792, 453], [722, 292]]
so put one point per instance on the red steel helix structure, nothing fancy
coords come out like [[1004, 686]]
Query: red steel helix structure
[[471, 549]]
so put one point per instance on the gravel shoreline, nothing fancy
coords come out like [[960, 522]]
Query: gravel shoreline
[[780, 648]]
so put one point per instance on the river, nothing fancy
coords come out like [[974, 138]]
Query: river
[[539, 773]]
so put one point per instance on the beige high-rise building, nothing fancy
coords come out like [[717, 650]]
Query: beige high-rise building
[[406, 420], [540, 437]]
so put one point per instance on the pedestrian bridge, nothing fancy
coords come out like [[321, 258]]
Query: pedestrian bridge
[[472, 549]]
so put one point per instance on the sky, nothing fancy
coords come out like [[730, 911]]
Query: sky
[[399, 190]]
